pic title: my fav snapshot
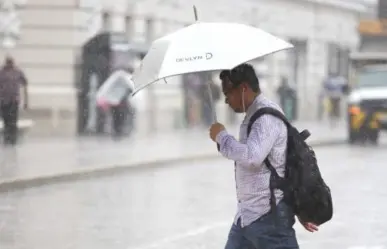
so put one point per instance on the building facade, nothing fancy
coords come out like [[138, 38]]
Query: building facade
[[51, 33]]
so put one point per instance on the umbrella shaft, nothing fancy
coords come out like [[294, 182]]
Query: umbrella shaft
[[212, 104]]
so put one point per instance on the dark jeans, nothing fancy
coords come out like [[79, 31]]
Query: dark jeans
[[271, 231], [335, 105], [10, 115], [119, 115]]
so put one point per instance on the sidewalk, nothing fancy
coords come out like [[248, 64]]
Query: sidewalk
[[39, 162]]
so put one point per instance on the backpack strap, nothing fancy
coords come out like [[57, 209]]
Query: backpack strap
[[275, 179], [274, 174], [266, 110], [274, 112]]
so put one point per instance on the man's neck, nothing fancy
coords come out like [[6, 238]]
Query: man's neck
[[251, 100]]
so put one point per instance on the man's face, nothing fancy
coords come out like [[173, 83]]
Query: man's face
[[233, 96]]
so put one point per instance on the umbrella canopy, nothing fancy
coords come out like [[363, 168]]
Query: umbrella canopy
[[205, 47]]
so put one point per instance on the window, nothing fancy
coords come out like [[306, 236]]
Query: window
[[333, 59], [106, 21], [129, 26], [121, 59], [372, 78], [149, 29], [344, 62]]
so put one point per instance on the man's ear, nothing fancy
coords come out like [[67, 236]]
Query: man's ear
[[244, 86]]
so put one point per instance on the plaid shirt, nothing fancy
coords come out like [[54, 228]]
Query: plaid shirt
[[268, 138]]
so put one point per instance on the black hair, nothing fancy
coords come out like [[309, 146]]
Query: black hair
[[239, 74]]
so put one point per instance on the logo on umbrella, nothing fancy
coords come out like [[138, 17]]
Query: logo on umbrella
[[206, 56]]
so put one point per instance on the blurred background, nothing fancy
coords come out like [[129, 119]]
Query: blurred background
[[160, 183], [48, 41]]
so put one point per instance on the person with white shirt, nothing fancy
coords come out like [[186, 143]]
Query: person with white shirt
[[255, 225]]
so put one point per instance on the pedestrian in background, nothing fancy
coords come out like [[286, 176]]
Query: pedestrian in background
[[287, 96], [12, 79], [335, 86]]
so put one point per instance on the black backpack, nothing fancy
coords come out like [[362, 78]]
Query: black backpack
[[303, 186]]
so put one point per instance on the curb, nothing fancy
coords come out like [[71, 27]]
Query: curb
[[103, 171]]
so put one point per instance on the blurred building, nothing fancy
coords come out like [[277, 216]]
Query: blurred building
[[49, 34]]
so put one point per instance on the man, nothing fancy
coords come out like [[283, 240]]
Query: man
[[11, 80], [254, 225]]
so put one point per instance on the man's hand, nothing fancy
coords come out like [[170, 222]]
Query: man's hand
[[310, 227], [215, 129]]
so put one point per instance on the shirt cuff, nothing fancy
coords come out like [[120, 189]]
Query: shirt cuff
[[220, 136]]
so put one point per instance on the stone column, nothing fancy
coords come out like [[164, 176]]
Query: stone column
[[316, 63], [315, 74]]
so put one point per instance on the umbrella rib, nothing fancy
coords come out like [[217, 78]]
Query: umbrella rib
[[195, 13], [141, 87]]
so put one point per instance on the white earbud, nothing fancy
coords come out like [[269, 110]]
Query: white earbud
[[243, 100]]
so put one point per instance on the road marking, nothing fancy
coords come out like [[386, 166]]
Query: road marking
[[182, 236], [367, 247]]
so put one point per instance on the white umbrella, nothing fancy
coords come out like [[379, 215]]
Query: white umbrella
[[205, 47]]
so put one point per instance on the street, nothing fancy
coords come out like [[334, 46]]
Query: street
[[74, 157], [188, 206]]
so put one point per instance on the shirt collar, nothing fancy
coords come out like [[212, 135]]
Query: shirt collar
[[252, 108]]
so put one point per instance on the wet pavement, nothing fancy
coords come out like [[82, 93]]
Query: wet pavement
[[46, 157], [188, 206]]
